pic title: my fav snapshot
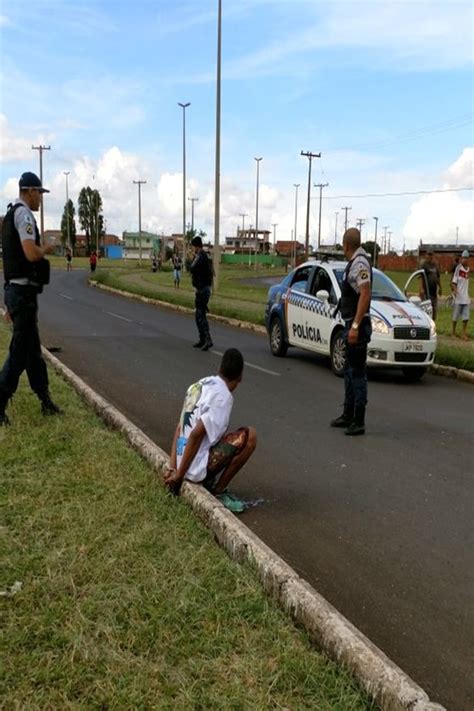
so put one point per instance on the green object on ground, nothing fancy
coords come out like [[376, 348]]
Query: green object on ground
[[231, 502]]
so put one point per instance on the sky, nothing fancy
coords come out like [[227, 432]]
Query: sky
[[382, 89]]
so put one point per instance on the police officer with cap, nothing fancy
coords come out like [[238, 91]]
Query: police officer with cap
[[354, 305], [26, 271]]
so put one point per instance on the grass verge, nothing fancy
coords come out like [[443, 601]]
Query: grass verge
[[126, 600]]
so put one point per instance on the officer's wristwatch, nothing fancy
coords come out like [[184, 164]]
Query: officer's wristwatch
[[355, 325]]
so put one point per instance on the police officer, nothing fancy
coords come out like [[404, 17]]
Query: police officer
[[355, 310], [201, 272], [26, 271]]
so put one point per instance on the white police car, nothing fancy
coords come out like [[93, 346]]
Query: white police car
[[302, 311]]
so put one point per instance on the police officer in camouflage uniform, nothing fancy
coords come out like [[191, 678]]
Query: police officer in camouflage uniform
[[26, 271], [356, 292]]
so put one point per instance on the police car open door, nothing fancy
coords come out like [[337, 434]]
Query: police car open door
[[308, 318], [416, 291]]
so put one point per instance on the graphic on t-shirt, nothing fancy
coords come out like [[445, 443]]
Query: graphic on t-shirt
[[191, 401]]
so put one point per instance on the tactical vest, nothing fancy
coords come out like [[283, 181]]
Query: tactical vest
[[349, 296], [15, 263]]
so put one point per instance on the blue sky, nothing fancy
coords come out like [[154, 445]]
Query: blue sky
[[383, 89]]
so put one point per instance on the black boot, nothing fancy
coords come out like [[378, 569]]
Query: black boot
[[207, 343], [357, 426], [199, 344], [48, 407], [345, 419]]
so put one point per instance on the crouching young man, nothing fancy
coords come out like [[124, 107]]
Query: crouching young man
[[203, 451]]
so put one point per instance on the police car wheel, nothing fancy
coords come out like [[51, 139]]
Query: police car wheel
[[412, 375], [338, 354], [278, 345]]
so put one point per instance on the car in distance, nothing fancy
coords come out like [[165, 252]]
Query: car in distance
[[302, 311]]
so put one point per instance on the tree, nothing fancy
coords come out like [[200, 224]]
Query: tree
[[90, 217], [68, 214], [369, 248]]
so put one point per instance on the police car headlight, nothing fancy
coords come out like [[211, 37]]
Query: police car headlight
[[379, 326], [432, 328]]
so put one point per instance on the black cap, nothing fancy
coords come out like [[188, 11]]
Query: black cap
[[30, 180], [196, 242]]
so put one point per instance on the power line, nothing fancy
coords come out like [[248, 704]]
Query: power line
[[412, 192]]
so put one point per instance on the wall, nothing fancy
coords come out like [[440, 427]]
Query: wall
[[445, 262], [264, 259]]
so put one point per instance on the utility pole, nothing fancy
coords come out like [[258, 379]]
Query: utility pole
[[359, 224], [184, 107], [256, 210], [296, 186], [66, 173], [375, 240], [243, 215], [140, 183], [384, 248], [346, 210], [193, 200], [320, 186], [41, 149], [310, 157], [390, 241], [335, 229], [457, 236], [217, 191], [274, 225]]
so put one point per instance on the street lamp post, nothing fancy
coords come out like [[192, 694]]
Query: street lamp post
[[184, 107], [140, 183], [41, 148], [310, 157], [320, 186], [384, 249], [375, 240], [217, 193], [274, 225], [243, 215], [193, 200], [256, 210], [296, 186], [66, 173], [335, 229]]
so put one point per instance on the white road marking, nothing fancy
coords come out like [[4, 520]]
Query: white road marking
[[122, 318], [65, 296], [251, 365]]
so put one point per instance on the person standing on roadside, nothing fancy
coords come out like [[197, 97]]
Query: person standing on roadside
[[202, 274], [356, 291], [93, 262], [460, 289], [177, 266], [68, 260], [433, 280], [26, 271]]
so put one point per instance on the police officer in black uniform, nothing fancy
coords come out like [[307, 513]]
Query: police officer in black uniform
[[26, 271], [201, 273], [356, 292]]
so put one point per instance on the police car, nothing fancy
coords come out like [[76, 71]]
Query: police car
[[302, 311]]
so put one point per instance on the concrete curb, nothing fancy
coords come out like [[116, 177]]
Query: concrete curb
[[446, 370], [386, 683]]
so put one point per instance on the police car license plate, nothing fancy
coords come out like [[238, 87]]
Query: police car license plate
[[412, 347]]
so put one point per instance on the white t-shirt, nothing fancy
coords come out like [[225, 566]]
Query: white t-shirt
[[210, 401], [24, 221], [461, 279]]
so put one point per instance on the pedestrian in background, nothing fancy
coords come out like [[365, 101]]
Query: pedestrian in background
[[202, 450], [202, 275], [460, 289], [177, 266], [433, 281], [68, 260], [26, 271], [354, 305], [93, 262]]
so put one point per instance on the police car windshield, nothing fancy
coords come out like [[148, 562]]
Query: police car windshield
[[383, 288]]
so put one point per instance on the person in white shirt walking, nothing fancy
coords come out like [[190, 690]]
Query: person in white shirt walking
[[203, 451], [460, 289]]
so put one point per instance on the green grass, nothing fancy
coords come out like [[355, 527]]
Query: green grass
[[127, 602]]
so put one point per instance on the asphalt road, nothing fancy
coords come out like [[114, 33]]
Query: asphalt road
[[381, 525]]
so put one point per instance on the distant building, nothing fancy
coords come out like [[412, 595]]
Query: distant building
[[285, 248], [248, 241]]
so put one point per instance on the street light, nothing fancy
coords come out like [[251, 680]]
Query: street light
[[256, 210], [296, 186], [66, 173], [274, 225], [243, 215], [375, 240], [217, 192], [184, 107], [335, 230], [193, 200], [140, 183]]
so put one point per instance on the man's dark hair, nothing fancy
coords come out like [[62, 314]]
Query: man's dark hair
[[232, 364], [196, 242]]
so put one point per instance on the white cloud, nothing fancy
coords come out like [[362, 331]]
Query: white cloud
[[18, 148]]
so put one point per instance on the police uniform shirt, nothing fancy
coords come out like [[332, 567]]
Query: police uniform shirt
[[24, 221], [359, 272]]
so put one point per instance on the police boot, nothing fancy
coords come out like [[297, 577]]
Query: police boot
[[357, 426], [199, 344], [345, 419], [3, 406], [48, 407], [207, 343]]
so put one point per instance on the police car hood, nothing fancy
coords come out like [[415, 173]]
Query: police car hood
[[399, 313]]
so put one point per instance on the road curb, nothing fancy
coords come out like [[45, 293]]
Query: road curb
[[446, 370], [386, 683]]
